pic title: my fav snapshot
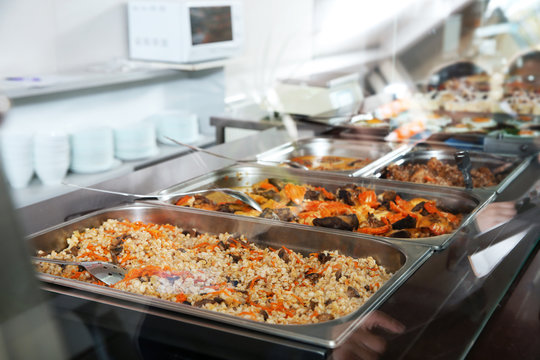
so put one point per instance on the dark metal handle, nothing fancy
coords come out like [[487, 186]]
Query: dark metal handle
[[463, 162]]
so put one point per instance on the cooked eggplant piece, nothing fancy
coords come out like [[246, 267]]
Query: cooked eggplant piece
[[192, 233], [74, 250], [324, 257], [277, 183], [402, 234], [115, 250], [352, 292], [314, 277], [418, 207], [342, 222], [386, 197], [283, 214], [199, 200], [407, 222], [312, 195], [269, 214], [373, 222], [284, 255], [345, 196], [268, 194], [203, 302], [226, 208]]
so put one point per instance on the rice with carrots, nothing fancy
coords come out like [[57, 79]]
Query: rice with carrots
[[224, 273]]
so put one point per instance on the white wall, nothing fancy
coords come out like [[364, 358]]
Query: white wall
[[49, 36]]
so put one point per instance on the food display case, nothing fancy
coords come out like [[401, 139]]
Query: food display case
[[372, 180], [438, 280]]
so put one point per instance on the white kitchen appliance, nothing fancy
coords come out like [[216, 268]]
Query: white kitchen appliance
[[184, 31]]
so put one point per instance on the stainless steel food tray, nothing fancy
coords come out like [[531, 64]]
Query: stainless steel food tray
[[402, 260], [324, 146], [515, 165], [466, 202]]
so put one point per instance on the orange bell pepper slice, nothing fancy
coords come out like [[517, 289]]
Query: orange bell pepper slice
[[295, 193], [369, 198]]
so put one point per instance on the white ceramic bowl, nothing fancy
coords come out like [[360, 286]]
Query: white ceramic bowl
[[92, 150], [180, 125], [51, 157], [134, 141], [18, 160]]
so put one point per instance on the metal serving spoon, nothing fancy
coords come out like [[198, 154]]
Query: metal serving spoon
[[290, 163], [237, 194], [109, 273]]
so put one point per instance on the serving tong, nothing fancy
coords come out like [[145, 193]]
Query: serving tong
[[463, 162], [290, 163], [109, 273], [237, 194]]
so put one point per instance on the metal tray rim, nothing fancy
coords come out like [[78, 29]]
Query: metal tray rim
[[521, 165], [298, 144], [414, 254]]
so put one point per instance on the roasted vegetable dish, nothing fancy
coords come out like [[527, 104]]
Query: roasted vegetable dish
[[330, 163], [349, 207]]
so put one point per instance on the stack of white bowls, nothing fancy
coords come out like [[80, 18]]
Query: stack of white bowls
[[17, 158], [135, 140], [181, 125], [92, 150], [51, 156]]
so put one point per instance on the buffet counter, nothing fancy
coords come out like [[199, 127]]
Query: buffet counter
[[438, 309]]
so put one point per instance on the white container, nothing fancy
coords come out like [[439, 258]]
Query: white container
[[92, 150], [180, 125], [17, 158], [135, 140], [51, 157]]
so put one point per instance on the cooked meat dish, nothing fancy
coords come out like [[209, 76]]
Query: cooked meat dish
[[349, 207], [330, 163], [223, 272], [439, 173]]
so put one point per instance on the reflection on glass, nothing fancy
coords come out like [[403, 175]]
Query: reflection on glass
[[364, 343], [484, 261], [495, 214]]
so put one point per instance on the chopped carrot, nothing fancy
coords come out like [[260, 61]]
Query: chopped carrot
[[267, 186], [184, 200], [432, 209], [369, 198], [252, 283], [181, 297]]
